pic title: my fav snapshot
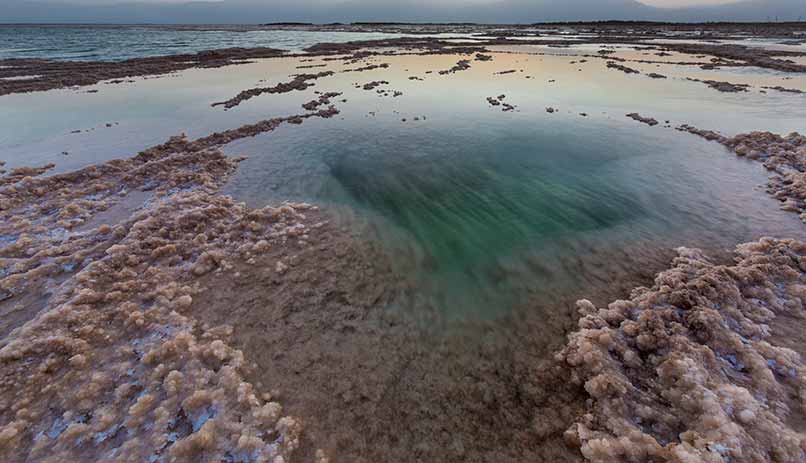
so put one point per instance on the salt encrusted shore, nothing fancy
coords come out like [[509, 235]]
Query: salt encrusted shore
[[689, 370], [100, 360]]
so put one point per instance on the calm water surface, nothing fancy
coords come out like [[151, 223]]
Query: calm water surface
[[480, 210]]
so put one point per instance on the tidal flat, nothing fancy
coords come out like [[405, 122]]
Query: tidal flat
[[408, 243]]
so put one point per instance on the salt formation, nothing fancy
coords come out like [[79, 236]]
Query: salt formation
[[114, 368], [688, 371]]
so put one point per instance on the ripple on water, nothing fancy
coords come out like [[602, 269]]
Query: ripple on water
[[481, 214]]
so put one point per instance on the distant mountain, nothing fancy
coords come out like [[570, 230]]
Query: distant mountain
[[517, 11]]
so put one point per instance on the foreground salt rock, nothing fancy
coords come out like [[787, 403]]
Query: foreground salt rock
[[114, 368], [689, 370]]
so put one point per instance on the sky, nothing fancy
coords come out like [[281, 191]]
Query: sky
[[322, 11], [684, 3], [656, 3]]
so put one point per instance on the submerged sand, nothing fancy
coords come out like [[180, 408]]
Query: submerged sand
[[148, 317]]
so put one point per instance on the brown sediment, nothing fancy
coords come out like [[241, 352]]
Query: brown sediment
[[378, 386], [688, 370], [299, 82], [59, 74], [646, 120], [722, 86]]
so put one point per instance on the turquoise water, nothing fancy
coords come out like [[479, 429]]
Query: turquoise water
[[482, 214], [113, 43]]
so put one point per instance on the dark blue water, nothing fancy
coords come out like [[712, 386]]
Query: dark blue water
[[113, 43]]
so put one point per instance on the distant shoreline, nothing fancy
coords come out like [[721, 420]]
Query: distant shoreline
[[392, 23]]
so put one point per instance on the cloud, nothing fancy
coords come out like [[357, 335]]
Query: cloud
[[257, 11]]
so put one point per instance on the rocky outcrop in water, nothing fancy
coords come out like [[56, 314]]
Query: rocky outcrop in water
[[622, 68], [645, 120], [726, 87], [461, 65], [299, 82], [778, 88], [324, 99]]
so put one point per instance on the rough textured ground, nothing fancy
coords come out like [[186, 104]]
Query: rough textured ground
[[100, 360], [689, 370]]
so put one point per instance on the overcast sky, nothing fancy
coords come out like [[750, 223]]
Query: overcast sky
[[262, 11], [682, 3], [658, 3]]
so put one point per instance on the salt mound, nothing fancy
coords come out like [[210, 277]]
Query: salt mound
[[687, 371]]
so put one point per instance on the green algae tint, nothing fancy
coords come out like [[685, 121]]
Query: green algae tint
[[484, 214]]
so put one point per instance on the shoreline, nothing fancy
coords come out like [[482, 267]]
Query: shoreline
[[24, 75]]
